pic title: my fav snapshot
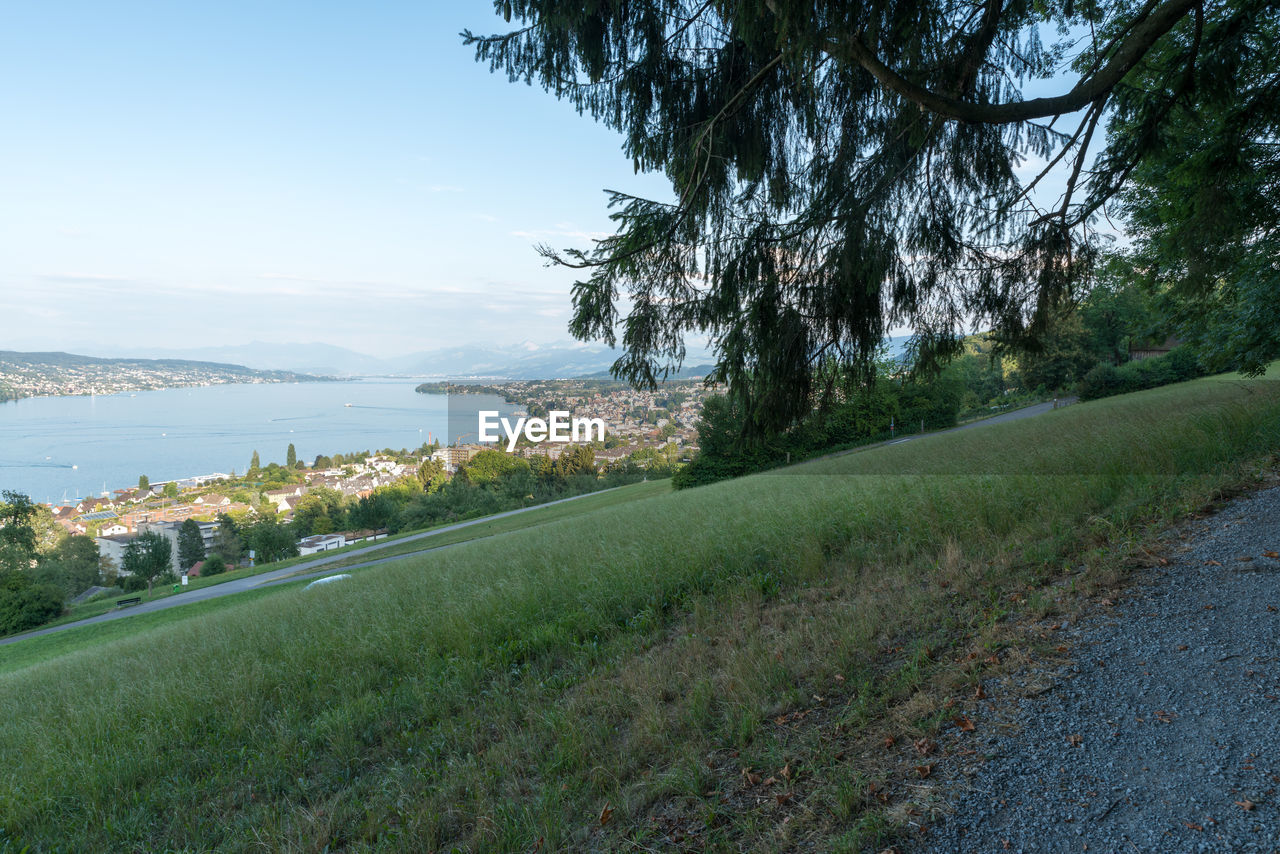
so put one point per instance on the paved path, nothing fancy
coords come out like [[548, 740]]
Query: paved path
[[315, 568], [306, 569]]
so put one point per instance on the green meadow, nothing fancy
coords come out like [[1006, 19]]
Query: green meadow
[[619, 678]]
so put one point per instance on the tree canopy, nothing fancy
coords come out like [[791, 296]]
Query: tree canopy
[[842, 169], [190, 544], [147, 558]]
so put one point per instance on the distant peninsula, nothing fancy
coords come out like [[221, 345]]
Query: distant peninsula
[[56, 374]]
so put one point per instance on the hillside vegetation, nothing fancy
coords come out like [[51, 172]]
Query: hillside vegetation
[[627, 674]]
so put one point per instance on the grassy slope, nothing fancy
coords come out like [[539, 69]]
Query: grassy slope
[[528, 519], [628, 663], [43, 647]]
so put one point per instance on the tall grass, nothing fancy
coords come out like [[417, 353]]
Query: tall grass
[[499, 695]]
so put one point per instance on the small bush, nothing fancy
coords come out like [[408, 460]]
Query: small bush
[[1101, 381], [28, 607], [1176, 366], [132, 583], [213, 565]]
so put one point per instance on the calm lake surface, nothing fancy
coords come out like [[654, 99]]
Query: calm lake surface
[[79, 446]]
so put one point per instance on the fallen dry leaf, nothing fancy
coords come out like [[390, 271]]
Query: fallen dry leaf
[[888, 741], [1194, 826], [1213, 563], [963, 723], [924, 746], [1246, 805], [1271, 554], [1182, 647], [606, 814], [924, 770], [1245, 558], [752, 778], [1075, 739], [979, 693], [783, 798]]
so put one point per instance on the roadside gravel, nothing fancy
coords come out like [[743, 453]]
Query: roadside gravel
[[1163, 734]]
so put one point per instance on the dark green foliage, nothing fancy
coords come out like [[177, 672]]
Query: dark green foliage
[[255, 462], [72, 565], [1176, 366], [25, 602], [493, 482], [871, 411], [1204, 204], [487, 467], [227, 542], [1117, 312], [17, 534], [839, 169], [276, 475], [190, 545], [270, 540], [28, 607], [1060, 357], [148, 558], [213, 565], [320, 511], [431, 475], [291, 457], [144, 483]]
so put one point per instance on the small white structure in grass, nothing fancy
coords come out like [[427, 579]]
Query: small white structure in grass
[[327, 579]]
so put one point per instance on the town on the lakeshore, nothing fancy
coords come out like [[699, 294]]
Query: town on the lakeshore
[[644, 427], [25, 375]]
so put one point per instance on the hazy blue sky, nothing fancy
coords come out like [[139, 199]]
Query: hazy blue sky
[[184, 174]]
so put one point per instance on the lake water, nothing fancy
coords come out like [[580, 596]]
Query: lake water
[[80, 445]]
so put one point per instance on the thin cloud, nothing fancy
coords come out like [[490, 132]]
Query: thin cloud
[[543, 234], [89, 277]]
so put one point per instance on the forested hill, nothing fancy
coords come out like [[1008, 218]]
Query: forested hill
[[33, 374]]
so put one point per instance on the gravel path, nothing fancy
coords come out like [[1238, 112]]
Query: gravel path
[[1164, 734]]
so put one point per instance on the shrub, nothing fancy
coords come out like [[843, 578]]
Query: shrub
[[213, 565], [1176, 366], [28, 607], [1101, 381]]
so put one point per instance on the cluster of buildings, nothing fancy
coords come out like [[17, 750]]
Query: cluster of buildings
[[635, 419], [117, 519]]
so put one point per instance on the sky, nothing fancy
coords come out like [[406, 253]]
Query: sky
[[177, 175], [191, 174]]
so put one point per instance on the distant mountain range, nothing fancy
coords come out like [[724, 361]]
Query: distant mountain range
[[518, 361], [522, 361]]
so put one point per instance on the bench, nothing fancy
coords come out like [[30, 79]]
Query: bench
[[125, 603]]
